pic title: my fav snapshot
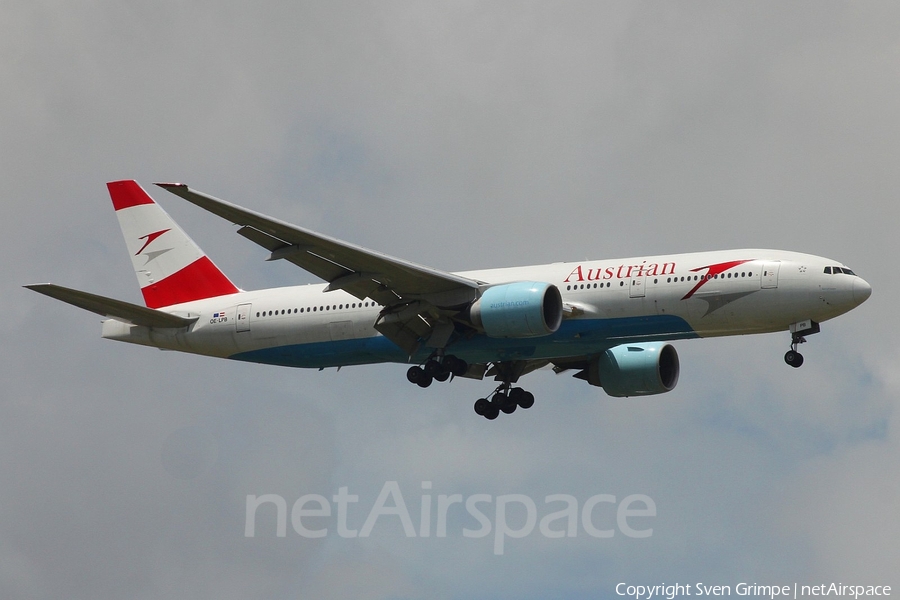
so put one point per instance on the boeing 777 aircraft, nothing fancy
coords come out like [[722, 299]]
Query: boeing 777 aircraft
[[608, 321]]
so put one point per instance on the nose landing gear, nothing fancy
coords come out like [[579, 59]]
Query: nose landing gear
[[798, 331], [792, 357]]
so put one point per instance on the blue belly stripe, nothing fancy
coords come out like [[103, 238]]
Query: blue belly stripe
[[575, 337]]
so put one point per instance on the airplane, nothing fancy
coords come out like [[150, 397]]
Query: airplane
[[610, 322]]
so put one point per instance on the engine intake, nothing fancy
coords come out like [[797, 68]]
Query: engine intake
[[635, 369], [518, 310]]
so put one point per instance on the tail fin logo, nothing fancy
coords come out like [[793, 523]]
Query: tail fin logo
[[150, 237]]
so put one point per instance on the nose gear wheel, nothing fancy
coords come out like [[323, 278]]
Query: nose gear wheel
[[792, 357]]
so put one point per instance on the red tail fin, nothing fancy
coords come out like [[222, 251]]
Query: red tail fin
[[170, 267]]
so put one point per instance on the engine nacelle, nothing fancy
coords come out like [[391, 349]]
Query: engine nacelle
[[518, 310], [635, 369]]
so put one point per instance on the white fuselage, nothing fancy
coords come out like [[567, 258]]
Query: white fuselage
[[607, 303]]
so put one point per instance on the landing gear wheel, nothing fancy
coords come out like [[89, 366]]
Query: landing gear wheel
[[442, 376], [433, 368], [508, 405], [415, 375], [456, 366], [482, 406], [425, 381], [521, 398], [793, 358], [492, 412], [526, 399]]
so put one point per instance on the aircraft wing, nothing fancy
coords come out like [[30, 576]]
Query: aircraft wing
[[419, 302], [361, 272], [114, 309]]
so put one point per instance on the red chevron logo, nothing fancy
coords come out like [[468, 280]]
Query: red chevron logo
[[150, 237], [716, 269]]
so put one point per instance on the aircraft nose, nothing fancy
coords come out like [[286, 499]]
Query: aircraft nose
[[861, 290]]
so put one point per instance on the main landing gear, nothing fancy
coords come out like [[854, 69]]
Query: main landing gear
[[439, 370], [505, 398]]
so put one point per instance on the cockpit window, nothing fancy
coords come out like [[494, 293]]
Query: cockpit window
[[838, 271]]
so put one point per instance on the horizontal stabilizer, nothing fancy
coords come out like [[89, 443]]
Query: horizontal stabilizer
[[114, 309]]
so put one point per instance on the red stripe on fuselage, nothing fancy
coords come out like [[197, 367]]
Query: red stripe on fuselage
[[200, 279], [127, 193]]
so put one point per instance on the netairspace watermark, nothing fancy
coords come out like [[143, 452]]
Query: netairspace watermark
[[794, 590], [311, 515]]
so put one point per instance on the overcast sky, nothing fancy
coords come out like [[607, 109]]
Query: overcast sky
[[482, 134]]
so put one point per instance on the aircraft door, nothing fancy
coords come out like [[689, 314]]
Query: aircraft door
[[769, 275], [636, 287], [242, 318]]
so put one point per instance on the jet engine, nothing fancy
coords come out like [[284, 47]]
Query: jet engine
[[518, 310], [635, 369]]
